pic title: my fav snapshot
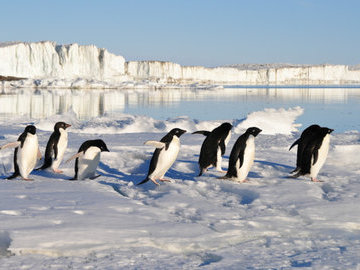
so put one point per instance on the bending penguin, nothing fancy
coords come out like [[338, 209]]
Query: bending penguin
[[164, 155], [87, 159], [242, 155], [26, 153], [314, 153], [213, 147], [56, 147], [305, 138]]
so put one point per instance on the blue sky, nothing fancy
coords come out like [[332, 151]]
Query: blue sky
[[195, 32]]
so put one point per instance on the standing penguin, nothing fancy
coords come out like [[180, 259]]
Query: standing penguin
[[56, 147], [314, 154], [305, 138], [213, 147], [164, 155], [242, 155], [87, 159], [26, 153]]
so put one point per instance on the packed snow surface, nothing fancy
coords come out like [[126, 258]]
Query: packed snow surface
[[271, 222]]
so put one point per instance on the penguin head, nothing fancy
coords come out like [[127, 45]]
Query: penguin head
[[324, 131], [253, 131], [177, 131], [30, 129], [101, 144], [62, 125], [226, 126], [328, 130]]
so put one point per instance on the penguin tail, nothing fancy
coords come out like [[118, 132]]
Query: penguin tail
[[14, 175], [299, 173], [143, 181], [47, 164]]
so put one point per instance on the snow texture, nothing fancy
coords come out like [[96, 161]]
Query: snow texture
[[271, 222], [48, 65]]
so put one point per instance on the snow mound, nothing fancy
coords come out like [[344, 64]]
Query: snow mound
[[271, 121]]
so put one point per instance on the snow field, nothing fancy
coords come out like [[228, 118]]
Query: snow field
[[271, 222]]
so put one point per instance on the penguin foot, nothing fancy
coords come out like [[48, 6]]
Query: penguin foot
[[154, 181], [164, 180], [245, 181], [57, 171], [316, 180], [27, 179], [220, 170]]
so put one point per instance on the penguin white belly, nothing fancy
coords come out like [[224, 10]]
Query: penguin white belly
[[322, 155], [27, 155], [88, 163], [62, 145], [166, 159], [218, 159], [228, 138], [249, 155]]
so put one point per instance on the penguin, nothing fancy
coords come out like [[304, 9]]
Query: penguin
[[314, 154], [164, 155], [56, 147], [213, 147], [26, 153], [87, 159], [242, 155], [304, 139]]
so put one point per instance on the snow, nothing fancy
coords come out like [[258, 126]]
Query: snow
[[49, 65], [272, 222]]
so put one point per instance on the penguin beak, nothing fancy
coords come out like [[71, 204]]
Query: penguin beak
[[67, 125], [331, 130]]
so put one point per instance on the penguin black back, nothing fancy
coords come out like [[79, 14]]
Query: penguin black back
[[311, 149], [306, 136], [209, 148]]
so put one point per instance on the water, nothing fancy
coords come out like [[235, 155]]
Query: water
[[337, 108]]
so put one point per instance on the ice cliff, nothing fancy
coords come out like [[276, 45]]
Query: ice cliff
[[46, 64], [48, 60]]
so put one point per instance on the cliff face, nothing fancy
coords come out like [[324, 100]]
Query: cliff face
[[48, 60], [61, 65], [313, 75]]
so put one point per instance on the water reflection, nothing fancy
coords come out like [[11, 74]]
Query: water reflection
[[92, 103]]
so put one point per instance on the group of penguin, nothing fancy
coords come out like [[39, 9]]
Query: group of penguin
[[313, 147], [27, 153]]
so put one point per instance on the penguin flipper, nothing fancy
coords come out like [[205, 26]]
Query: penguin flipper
[[10, 145], [156, 144], [203, 132], [79, 154], [295, 143]]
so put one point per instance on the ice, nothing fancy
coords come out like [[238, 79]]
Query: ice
[[272, 222], [49, 65]]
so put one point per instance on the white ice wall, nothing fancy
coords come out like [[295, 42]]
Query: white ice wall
[[49, 60], [322, 74]]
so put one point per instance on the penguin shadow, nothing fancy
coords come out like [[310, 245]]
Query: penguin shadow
[[50, 174], [112, 172], [286, 169]]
